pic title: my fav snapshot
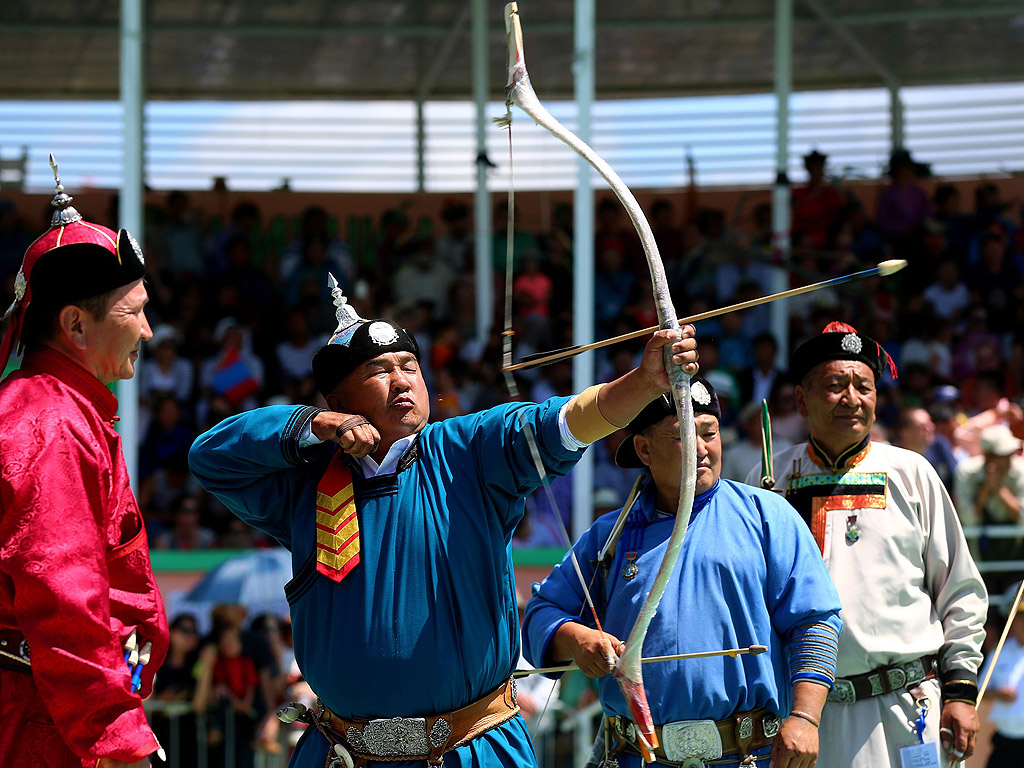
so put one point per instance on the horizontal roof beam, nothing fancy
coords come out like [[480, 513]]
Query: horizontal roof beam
[[36, 92], [279, 29], [853, 43]]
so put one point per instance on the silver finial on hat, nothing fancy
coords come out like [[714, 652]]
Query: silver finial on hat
[[63, 213], [345, 312]]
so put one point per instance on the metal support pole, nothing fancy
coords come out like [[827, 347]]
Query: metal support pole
[[780, 191], [229, 737], [201, 745], [421, 147], [133, 96], [482, 198], [438, 62], [583, 255], [896, 117], [175, 745]]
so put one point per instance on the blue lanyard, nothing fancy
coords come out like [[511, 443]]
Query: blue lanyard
[[922, 714]]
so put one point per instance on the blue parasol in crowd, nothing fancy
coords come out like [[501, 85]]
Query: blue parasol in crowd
[[255, 580]]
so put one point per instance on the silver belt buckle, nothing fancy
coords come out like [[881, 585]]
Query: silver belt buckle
[[875, 681], [897, 678], [915, 672], [690, 742], [842, 691], [392, 737]]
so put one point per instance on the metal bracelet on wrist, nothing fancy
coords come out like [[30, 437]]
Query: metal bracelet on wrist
[[804, 716]]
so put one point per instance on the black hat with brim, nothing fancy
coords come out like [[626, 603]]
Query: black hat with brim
[[814, 157], [839, 341], [704, 399], [78, 271], [72, 261]]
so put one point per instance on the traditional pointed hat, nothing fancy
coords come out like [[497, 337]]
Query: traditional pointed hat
[[72, 261], [355, 341], [814, 157]]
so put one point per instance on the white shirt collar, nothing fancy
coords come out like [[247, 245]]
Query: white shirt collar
[[371, 468]]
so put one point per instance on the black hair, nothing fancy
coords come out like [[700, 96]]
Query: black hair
[[992, 379], [181, 618], [944, 193], [942, 412], [765, 336], [245, 210], [42, 320]]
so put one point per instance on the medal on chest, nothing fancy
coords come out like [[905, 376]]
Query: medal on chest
[[630, 571], [852, 531]]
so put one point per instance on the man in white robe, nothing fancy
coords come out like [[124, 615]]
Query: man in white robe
[[914, 604]]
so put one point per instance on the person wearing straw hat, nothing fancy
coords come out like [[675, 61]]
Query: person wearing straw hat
[[914, 604], [749, 573], [76, 585], [403, 603]]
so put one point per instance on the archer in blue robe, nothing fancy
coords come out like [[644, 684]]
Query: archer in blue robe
[[749, 573], [427, 622]]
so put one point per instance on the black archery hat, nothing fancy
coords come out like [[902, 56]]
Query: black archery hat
[[704, 399], [840, 341]]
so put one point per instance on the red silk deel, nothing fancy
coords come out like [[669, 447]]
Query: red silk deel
[[75, 574]]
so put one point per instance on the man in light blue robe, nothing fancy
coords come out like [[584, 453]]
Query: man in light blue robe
[[749, 573], [421, 623]]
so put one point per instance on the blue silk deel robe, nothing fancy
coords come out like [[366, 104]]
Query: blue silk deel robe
[[749, 573], [426, 623]]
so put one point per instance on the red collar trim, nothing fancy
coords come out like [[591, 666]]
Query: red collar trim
[[49, 361]]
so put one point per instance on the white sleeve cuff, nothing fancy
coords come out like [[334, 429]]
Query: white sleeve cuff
[[307, 438], [569, 441]]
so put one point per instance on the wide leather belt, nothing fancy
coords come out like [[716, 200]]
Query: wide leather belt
[[420, 738], [693, 743], [883, 680], [14, 651]]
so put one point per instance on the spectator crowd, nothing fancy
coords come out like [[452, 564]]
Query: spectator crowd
[[239, 307]]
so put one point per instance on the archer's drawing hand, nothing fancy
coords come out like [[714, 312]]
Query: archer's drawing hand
[[355, 434], [595, 653]]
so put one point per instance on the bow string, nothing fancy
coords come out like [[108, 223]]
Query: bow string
[[513, 388], [628, 672]]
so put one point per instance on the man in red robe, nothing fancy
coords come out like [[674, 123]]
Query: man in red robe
[[75, 576], [817, 206]]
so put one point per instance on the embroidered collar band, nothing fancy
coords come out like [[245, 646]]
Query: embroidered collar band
[[848, 458]]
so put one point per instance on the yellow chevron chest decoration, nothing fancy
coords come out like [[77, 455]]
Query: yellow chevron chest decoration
[[337, 521]]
